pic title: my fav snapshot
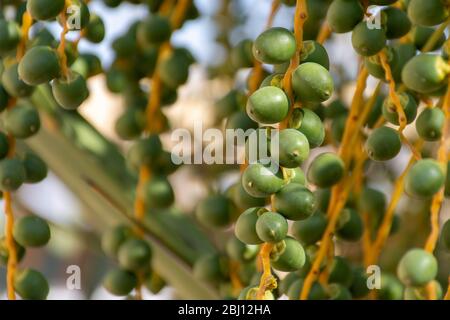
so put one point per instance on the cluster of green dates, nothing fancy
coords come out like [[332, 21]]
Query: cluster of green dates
[[133, 255], [41, 63], [296, 220]]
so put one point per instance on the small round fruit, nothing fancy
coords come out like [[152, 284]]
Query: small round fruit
[[31, 231], [290, 258], [4, 251], [430, 124], [45, 9], [39, 65], [12, 174], [174, 68], [350, 225], [425, 178], [420, 36], [344, 15], [425, 73], [391, 288], [245, 229], [243, 200], [251, 293], [130, 124], [359, 287], [158, 193], [134, 255], [295, 202], [417, 267], [312, 51], [240, 120], [22, 121], [31, 285], [295, 175], [317, 291], [12, 83], [216, 211], [310, 230], [35, 168], [408, 104], [260, 181], [337, 291], [340, 272], [397, 23], [9, 36], [113, 238], [326, 170], [308, 122], [422, 293], [211, 268], [95, 30], [271, 227], [239, 251], [145, 152], [274, 46], [372, 202], [383, 144], [242, 55], [366, 41], [154, 30], [120, 282], [427, 12], [70, 92], [312, 83], [268, 105], [294, 148]]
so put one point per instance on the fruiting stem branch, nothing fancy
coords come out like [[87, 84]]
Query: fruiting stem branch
[[267, 275], [27, 22], [62, 43]]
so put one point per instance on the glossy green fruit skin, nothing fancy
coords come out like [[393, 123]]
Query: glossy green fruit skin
[[242, 54], [397, 23], [409, 105], [274, 46], [425, 178], [295, 175], [391, 288], [445, 235], [344, 15], [22, 121], [375, 68], [295, 202], [383, 144], [134, 255], [290, 259], [243, 200], [294, 148], [259, 181], [310, 230], [239, 251], [211, 268], [317, 292], [95, 30], [120, 282], [31, 231], [359, 284], [154, 283], [268, 105], [130, 124], [31, 285], [70, 93], [312, 83], [308, 122], [425, 73], [45, 9], [9, 36], [420, 36], [39, 65], [312, 51], [271, 227], [430, 123], [368, 42], [4, 145], [326, 170], [13, 85], [113, 238], [145, 152], [340, 272], [427, 12], [154, 30], [158, 193], [240, 120], [12, 174], [216, 211], [245, 229], [35, 168], [350, 225], [417, 267]]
